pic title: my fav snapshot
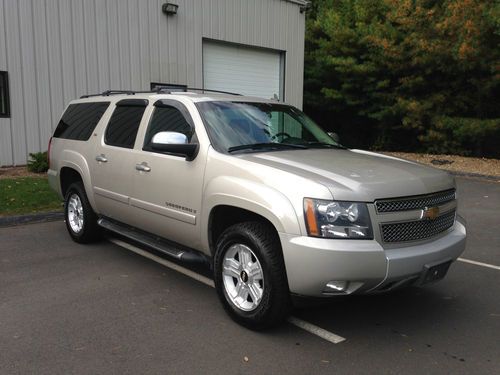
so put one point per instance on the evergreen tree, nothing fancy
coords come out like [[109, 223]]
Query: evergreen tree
[[406, 74]]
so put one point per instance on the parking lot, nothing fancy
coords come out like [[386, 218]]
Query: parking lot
[[68, 308]]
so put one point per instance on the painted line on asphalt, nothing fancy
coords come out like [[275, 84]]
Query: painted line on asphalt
[[315, 330], [306, 326], [479, 263]]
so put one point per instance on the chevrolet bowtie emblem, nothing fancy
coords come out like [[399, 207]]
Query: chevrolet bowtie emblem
[[430, 213]]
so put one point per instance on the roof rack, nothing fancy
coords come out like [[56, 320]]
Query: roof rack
[[172, 88], [158, 90], [110, 92], [210, 90]]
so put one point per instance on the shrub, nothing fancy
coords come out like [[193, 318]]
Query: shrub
[[463, 136], [38, 162]]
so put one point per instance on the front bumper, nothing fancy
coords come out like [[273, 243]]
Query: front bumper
[[312, 262]]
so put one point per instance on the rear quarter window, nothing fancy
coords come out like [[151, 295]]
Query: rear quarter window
[[79, 120]]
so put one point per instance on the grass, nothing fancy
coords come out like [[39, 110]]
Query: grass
[[25, 195]]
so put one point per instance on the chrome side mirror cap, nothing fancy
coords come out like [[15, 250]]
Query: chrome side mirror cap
[[169, 138], [176, 144]]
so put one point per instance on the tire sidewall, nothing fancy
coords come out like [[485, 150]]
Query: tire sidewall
[[77, 188], [252, 318]]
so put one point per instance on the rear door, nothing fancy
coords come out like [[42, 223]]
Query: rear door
[[167, 194], [113, 165]]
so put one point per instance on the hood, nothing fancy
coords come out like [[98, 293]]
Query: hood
[[357, 175]]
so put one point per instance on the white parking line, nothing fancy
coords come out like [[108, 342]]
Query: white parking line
[[306, 326], [315, 330], [479, 263]]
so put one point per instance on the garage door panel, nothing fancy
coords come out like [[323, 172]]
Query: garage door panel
[[244, 70]]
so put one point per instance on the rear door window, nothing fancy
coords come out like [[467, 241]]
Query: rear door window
[[79, 120], [124, 123]]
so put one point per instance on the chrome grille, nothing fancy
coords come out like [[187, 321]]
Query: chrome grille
[[417, 230], [414, 203]]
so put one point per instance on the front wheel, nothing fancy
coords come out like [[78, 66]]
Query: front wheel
[[81, 220], [250, 275]]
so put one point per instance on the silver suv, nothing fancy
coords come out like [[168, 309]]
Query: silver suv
[[256, 189]]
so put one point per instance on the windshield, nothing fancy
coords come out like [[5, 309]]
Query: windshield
[[250, 127]]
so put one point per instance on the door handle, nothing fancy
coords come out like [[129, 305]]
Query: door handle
[[143, 167], [101, 158]]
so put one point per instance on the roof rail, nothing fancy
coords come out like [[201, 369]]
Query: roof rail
[[117, 92], [210, 90], [172, 88], [109, 92], [158, 90], [114, 92]]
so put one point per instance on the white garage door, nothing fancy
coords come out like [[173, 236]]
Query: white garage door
[[242, 70]]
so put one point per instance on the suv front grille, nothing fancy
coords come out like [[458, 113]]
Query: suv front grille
[[414, 203], [417, 230]]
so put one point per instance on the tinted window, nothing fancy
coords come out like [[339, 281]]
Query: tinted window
[[4, 95], [233, 124], [80, 120], [167, 118], [124, 123]]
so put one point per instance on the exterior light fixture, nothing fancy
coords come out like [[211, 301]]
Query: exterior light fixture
[[169, 8], [305, 7]]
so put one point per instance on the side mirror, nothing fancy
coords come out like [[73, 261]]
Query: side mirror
[[334, 136], [174, 143]]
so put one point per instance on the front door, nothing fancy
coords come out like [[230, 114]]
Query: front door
[[167, 192]]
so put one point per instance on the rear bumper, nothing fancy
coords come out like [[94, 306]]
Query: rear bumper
[[364, 265], [54, 183]]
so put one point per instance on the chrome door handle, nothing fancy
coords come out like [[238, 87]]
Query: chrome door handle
[[143, 167], [101, 158]]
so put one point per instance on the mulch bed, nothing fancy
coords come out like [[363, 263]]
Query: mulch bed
[[13, 172], [454, 163]]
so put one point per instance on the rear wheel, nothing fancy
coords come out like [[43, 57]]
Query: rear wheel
[[81, 220], [250, 275]]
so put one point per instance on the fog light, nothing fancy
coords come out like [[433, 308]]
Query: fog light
[[336, 287]]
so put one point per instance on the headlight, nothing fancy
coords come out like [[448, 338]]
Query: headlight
[[335, 219]]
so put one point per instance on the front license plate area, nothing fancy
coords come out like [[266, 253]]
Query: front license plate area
[[434, 272]]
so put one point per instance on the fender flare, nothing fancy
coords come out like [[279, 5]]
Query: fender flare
[[76, 161], [251, 196]]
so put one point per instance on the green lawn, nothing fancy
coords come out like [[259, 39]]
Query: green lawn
[[24, 195]]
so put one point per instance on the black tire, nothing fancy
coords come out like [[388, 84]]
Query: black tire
[[89, 231], [262, 240]]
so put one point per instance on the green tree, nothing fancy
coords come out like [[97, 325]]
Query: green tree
[[391, 73]]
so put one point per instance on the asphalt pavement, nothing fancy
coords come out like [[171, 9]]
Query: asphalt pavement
[[101, 309]]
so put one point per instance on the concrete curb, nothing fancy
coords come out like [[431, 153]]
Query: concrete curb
[[42, 217], [474, 175]]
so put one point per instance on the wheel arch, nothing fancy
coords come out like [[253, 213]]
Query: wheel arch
[[223, 216], [75, 168], [254, 201], [69, 176]]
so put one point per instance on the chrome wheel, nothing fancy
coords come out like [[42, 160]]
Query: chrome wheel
[[75, 213], [243, 277]]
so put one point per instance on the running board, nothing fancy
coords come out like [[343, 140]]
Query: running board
[[154, 242]]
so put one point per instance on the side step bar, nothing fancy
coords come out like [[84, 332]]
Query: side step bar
[[154, 242]]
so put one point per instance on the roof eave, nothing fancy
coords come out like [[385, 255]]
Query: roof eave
[[299, 2]]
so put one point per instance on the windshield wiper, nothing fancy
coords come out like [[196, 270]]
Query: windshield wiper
[[327, 145], [266, 145]]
